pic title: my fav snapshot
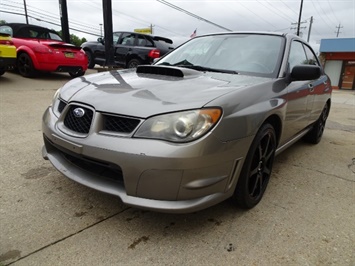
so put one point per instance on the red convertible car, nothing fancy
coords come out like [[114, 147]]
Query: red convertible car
[[41, 49]]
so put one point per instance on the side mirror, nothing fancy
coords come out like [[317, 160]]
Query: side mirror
[[100, 40], [305, 72]]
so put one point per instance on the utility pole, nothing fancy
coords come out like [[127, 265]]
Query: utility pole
[[338, 31], [298, 27], [64, 20], [310, 28], [299, 19], [108, 32], [24, 3], [100, 30]]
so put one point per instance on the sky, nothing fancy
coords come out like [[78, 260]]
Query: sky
[[330, 17]]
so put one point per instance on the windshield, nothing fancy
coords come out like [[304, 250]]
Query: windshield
[[250, 54]]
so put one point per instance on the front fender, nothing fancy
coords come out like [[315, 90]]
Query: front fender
[[247, 121]]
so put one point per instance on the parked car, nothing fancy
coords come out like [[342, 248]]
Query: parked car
[[7, 53], [41, 49], [131, 49], [201, 125]]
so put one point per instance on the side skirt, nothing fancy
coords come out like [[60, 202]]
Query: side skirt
[[293, 140]]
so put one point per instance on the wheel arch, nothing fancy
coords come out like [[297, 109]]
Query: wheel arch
[[275, 121], [329, 102], [30, 53]]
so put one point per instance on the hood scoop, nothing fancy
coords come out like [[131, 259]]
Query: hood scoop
[[167, 71], [160, 70]]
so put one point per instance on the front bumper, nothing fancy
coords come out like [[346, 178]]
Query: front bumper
[[149, 174]]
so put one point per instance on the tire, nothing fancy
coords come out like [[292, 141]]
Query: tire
[[2, 72], [76, 74], [256, 171], [25, 66], [133, 63], [91, 59], [315, 134]]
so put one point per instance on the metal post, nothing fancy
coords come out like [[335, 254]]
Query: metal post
[[24, 3], [310, 28], [108, 31], [299, 19], [64, 20]]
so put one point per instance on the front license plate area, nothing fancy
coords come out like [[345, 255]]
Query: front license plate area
[[76, 148]]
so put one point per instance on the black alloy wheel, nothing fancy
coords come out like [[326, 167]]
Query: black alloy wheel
[[133, 63], [256, 171], [25, 66], [315, 134], [91, 61], [76, 74]]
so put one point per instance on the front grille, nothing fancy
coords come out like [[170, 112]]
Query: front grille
[[120, 124], [78, 124]]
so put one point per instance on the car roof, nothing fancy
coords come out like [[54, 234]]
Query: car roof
[[16, 27], [154, 37], [281, 34]]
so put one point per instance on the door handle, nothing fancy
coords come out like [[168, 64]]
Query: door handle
[[310, 87]]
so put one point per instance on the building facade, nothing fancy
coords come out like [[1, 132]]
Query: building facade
[[338, 58]]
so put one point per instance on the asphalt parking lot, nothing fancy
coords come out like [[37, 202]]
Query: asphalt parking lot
[[307, 216]]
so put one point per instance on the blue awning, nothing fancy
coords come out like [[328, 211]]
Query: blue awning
[[337, 45]]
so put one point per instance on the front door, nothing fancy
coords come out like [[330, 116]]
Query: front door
[[348, 78]]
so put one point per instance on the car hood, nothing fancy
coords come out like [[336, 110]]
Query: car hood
[[127, 92]]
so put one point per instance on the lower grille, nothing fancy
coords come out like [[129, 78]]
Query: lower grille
[[100, 168], [79, 123]]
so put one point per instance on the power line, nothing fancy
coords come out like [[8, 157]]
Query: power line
[[257, 15], [191, 14], [49, 22], [134, 19], [37, 12], [273, 11]]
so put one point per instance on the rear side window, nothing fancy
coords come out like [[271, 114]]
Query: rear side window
[[127, 39], [143, 41]]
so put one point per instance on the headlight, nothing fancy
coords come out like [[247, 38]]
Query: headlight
[[180, 127], [55, 102]]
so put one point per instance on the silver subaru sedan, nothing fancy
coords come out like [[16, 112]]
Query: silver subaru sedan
[[199, 126]]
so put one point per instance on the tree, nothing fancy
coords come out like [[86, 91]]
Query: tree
[[2, 21], [73, 39]]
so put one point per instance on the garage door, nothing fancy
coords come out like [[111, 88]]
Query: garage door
[[333, 70]]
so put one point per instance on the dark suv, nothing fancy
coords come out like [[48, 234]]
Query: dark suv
[[131, 49]]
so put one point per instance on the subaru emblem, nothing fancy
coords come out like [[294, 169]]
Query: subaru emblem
[[79, 112]]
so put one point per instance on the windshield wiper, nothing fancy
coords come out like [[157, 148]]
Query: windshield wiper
[[202, 68], [187, 64]]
